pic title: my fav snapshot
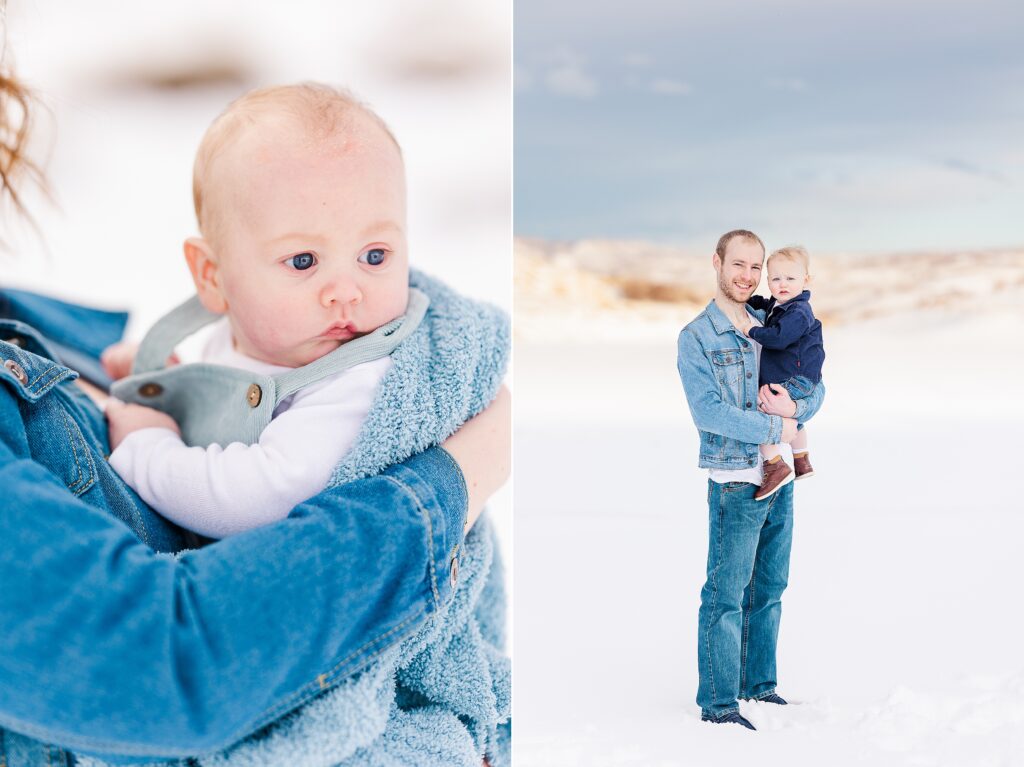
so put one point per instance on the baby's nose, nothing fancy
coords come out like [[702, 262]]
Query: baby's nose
[[340, 290]]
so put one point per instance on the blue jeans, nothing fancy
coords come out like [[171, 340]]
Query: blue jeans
[[740, 604]]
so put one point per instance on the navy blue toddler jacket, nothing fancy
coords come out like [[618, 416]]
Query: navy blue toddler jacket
[[790, 339]]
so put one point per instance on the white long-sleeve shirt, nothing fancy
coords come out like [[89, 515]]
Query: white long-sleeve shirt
[[219, 491]]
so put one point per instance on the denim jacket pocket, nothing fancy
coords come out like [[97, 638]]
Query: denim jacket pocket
[[728, 365], [65, 451], [54, 437]]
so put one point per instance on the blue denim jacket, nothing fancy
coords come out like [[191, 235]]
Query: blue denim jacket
[[718, 368], [112, 648]]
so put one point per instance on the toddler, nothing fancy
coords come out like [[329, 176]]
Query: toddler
[[791, 355]]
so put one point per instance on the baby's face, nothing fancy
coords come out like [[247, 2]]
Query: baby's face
[[786, 278], [311, 244]]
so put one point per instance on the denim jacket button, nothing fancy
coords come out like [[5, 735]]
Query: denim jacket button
[[151, 389], [454, 571], [750, 375], [16, 371], [748, 406], [254, 395]]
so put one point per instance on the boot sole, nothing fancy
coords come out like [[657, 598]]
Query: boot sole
[[806, 475], [782, 484]]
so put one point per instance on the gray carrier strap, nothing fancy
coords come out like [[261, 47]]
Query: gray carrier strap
[[216, 404]]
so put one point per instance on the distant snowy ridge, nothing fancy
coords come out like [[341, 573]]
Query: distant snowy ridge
[[613, 287]]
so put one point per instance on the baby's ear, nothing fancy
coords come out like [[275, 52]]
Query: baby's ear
[[202, 262]]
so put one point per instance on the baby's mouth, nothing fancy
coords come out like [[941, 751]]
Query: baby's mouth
[[340, 331]]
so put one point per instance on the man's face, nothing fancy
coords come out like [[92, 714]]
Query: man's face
[[739, 270], [314, 248]]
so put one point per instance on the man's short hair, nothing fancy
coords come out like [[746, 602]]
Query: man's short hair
[[725, 239], [794, 253]]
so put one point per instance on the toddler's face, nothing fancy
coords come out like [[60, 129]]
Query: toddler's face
[[786, 278], [312, 247]]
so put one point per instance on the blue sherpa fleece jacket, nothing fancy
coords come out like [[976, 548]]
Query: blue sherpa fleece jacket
[[442, 698]]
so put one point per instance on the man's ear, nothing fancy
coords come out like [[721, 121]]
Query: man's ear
[[205, 274], [716, 261]]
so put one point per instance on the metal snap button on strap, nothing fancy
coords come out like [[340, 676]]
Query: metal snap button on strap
[[254, 395], [454, 571], [151, 389], [17, 371]]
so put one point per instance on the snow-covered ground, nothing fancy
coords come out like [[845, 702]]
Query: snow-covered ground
[[900, 639], [129, 89]]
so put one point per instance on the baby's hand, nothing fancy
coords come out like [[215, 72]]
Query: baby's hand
[[124, 419], [118, 359], [744, 324]]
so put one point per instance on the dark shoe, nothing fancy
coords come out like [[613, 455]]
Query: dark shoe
[[733, 717], [769, 698], [802, 466], [776, 475]]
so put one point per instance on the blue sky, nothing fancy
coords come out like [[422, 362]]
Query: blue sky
[[866, 126]]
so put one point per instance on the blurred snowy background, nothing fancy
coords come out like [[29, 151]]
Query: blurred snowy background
[[885, 137], [129, 88]]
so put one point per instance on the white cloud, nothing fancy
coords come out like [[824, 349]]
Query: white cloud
[[669, 87], [568, 76]]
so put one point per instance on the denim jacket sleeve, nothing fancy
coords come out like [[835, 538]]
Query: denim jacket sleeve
[[791, 324], [110, 648], [710, 412]]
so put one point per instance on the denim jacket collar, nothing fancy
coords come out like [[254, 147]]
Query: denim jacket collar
[[719, 321], [25, 363]]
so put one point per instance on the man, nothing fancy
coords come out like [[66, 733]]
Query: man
[[749, 541]]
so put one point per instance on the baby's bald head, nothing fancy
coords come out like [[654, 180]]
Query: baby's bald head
[[310, 118]]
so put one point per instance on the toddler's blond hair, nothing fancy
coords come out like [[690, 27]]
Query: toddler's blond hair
[[795, 253]]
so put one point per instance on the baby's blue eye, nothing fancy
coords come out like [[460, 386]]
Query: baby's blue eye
[[374, 256], [302, 261]]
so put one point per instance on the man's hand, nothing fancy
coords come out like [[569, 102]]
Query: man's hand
[[778, 403], [789, 431], [483, 449], [124, 419]]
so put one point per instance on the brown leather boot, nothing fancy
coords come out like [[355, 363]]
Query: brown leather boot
[[775, 476], [802, 466]]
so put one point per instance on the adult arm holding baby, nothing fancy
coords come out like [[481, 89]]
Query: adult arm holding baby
[[111, 646]]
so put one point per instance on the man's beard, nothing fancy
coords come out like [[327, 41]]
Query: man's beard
[[729, 290]]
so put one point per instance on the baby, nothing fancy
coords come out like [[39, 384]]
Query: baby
[[326, 366], [300, 198], [791, 354]]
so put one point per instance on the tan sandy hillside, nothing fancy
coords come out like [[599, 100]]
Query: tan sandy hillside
[[610, 287]]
